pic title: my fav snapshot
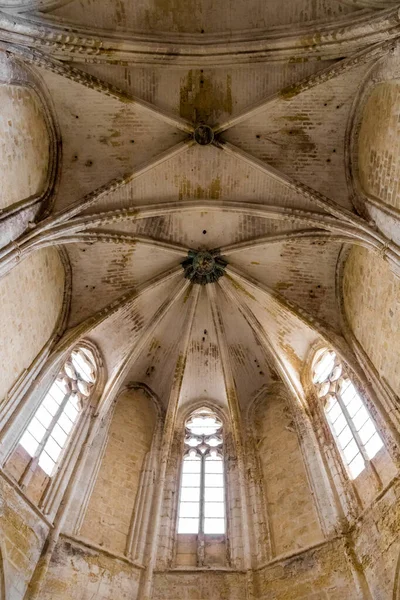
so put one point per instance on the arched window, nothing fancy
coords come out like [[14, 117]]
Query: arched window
[[52, 425], [350, 422], [202, 494]]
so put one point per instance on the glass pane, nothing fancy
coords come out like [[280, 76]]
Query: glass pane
[[214, 509], [334, 412], [192, 441], [59, 435], [203, 424], [214, 495], [360, 418], [345, 437], [46, 463], [367, 431], [29, 443], [70, 411], [356, 466], [354, 405], [83, 365], [214, 480], [58, 391], [214, 525], [190, 480], [36, 429], [350, 451], [339, 424], [43, 416], [188, 526], [213, 466], [189, 509], [214, 442], [347, 391], [52, 448], [191, 466], [190, 494], [50, 404], [75, 401], [324, 367], [65, 423], [374, 445]]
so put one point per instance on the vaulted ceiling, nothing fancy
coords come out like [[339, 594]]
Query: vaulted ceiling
[[219, 127]]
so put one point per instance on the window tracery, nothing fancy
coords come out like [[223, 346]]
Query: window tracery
[[53, 423], [202, 493], [350, 422]]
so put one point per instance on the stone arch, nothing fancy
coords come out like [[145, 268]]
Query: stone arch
[[25, 146], [372, 140], [29, 146], [273, 422], [371, 311], [30, 322]]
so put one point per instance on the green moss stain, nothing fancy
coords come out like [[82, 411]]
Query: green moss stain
[[187, 189], [202, 99]]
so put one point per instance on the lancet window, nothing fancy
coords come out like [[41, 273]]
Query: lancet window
[[53, 423], [351, 424], [202, 493]]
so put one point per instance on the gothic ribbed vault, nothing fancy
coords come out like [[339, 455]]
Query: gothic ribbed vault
[[249, 163]]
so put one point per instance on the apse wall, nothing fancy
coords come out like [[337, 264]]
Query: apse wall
[[292, 517], [31, 299], [371, 301], [24, 145], [108, 518]]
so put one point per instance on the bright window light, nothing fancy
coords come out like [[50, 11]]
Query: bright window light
[[48, 432], [202, 494], [351, 424]]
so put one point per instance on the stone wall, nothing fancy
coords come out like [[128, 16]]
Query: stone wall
[[290, 507], [80, 572], [379, 144], [377, 543], [320, 573], [24, 145], [112, 503], [31, 299], [22, 535], [203, 585], [371, 300]]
